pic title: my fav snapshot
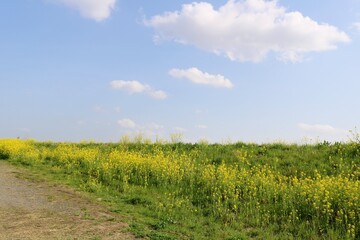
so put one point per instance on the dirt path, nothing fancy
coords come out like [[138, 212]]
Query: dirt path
[[39, 210]]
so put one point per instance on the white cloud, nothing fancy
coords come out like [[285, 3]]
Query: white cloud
[[129, 86], [247, 30], [356, 25], [155, 126], [117, 109], [80, 123], [198, 111], [321, 128], [25, 130], [180, 129], [201, 126], [137, 87], [150, 130], [99, 109], [199, 77], [127, 123], [157, 94], [95, 9]]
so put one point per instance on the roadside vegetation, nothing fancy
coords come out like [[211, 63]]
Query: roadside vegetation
[[211, 191]]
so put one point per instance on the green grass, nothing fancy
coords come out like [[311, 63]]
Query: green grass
[[173, 211]]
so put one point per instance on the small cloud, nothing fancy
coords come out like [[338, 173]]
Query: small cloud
[[158, 94], [141, 131], [155, 126], [98, 108], [141, 128], [201, 126], [97, 10], [201, 111], [127, 123], [321, 128], [246, 30], [198, 111], [322, 131], [117, 109], [136, 87], [198, 77], [356, 25], [80, 123], [129, 86], [151, 130], [180, 129], [24, 130]]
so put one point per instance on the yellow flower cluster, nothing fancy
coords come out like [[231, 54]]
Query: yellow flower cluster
[[229, 190], [16, 149]]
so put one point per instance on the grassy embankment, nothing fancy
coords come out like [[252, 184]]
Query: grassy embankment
[[201, 191]]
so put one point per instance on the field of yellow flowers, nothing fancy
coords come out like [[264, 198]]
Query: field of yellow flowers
[[291, 191]]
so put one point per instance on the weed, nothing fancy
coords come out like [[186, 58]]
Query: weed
[[208, 191]]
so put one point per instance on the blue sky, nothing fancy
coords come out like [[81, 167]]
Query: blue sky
[[253, 71]]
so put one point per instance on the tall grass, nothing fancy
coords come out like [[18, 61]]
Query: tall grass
[[307, 191]]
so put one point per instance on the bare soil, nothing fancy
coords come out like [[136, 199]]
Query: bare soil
[[36, 209]]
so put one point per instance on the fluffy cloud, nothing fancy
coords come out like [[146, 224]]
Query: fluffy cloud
[[94, 9], [247, 30], [127, 123], [320, 128], [157, 94], [137, 87], [199, 77]]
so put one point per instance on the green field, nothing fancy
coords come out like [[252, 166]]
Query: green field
[[211, 191]]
